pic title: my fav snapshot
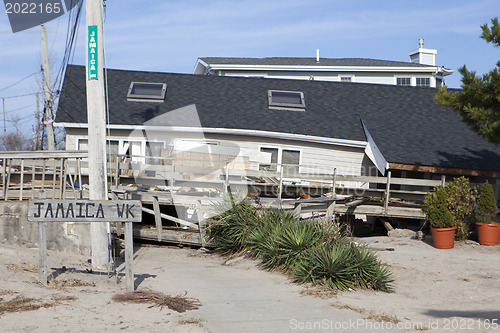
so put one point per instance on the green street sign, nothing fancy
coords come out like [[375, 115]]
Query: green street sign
[[92, 56]]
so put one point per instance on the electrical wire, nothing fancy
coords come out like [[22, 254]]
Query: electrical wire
[[72, 32], [16, 83], [111, 240], [19, 109], [17, 96]]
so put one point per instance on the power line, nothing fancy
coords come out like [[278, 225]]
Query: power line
[[72, 32], [12, 85], [19, 119], [19, 109], [17, 96]]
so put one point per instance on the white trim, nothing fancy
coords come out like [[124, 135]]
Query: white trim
[[414, 69], [204, 67], [213, 130]]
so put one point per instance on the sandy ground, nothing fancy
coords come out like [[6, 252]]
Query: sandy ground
[[436, 290], [450, 290]]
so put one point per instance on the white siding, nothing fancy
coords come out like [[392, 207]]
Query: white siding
[[314, 157], [379, 77]]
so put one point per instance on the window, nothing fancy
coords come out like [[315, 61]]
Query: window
[[146, 91], [287, 99], [83, 144], [290, 159], [274, 159], [423, 82], [346, 79], [154, 149], [403, 81]]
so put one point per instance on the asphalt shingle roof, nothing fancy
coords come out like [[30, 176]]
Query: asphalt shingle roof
[[276, 61], [405, 122]]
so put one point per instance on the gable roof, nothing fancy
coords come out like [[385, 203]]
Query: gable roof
[[278, 61], [405, 122]]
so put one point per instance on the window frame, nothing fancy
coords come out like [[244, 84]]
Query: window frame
[[279, 162], [403, 78], [422, 85], [288, 106], [146, 98]]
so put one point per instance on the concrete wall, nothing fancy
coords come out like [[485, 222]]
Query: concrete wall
[[64, 237]]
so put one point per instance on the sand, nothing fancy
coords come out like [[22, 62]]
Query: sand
[[435, 290]]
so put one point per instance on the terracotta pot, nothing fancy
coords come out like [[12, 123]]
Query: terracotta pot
[[443, 238], [488, 233]]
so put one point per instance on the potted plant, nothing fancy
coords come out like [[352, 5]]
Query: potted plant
[[442, 224], [488, 232]]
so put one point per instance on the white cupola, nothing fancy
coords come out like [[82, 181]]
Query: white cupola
[[423, 56]]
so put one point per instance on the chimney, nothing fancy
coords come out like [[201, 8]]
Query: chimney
[[423, 56], [317, 55]]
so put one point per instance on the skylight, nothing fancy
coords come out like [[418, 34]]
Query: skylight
[[286, 99], [147, 91]]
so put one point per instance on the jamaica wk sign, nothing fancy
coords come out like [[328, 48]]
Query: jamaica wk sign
[[55, 210], [92, 48]]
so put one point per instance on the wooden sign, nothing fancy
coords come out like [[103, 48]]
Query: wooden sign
[[56, 210]]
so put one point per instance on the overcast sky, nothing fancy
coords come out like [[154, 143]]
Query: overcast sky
[[169, 36]]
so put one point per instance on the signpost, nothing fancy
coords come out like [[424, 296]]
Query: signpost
[[23, 15], [54, 210]]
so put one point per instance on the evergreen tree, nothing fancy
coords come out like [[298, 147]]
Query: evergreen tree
[[479, 101]]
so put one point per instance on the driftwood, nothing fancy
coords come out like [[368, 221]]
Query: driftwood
[[179, 303]]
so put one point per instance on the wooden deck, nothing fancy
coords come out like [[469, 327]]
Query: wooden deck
[[196, 184]]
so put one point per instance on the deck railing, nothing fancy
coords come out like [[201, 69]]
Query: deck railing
[[64, 174], [56, 173]]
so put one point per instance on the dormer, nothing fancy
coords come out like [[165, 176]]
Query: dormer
[[423, 56]]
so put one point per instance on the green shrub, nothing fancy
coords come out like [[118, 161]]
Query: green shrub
[[486, 204], [436, 209], [290, 242], [229, 234], [461, 200], [343, 265], [313, 252]]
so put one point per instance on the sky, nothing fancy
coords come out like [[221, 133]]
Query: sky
[[169, 36]]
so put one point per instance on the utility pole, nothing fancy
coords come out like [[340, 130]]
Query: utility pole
[[37, 128], [46, 85], [96, 117], [4, 126]]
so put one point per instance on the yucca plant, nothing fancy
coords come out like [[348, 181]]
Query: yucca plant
[[382, 279], [343, 265], [229, 234], [290, 242], [261, 241], [368, 270], [327, 264], [317, 253]]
